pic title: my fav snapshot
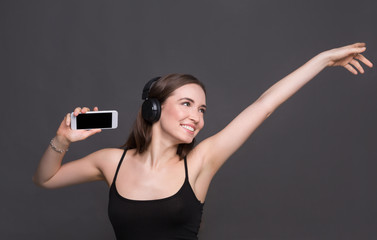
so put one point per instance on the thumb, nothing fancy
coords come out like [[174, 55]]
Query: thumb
[[357, 50], [92, 132]]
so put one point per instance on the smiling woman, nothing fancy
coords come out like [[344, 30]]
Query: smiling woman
[[182, 117], [159, 182], [157, 91]]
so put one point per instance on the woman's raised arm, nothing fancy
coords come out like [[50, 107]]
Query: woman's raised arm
[[216, 149], [50, 173]]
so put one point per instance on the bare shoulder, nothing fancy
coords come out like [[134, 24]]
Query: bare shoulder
[[108, 153], [107, 160]]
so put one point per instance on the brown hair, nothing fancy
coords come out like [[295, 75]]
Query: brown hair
[[141, 134]]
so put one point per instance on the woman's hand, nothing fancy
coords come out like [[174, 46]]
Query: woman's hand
[[65, 135], [348, 57], [51, 174]]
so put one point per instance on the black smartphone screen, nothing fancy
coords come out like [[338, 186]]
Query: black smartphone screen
[[94, 120]]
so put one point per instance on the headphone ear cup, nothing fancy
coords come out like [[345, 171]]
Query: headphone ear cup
[[151, 110]]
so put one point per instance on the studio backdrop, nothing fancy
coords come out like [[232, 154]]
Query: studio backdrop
[[309, 172]]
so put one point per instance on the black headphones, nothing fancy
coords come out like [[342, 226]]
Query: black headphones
[[151, 108]]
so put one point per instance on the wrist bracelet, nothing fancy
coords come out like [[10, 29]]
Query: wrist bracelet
[[55, 148]]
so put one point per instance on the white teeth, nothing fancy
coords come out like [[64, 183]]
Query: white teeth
[[188, 127]]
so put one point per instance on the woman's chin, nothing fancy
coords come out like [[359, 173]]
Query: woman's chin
[[186, 141]]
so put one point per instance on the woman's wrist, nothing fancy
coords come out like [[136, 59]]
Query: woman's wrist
[[321, 60], [60, 143]]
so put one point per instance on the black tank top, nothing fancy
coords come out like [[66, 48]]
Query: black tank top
[[172, 218]]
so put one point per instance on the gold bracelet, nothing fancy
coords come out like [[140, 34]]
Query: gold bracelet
[[55, 148]]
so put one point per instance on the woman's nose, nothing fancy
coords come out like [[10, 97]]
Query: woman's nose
[[195, 116]]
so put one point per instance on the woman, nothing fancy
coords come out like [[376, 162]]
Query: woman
[[158, 186]]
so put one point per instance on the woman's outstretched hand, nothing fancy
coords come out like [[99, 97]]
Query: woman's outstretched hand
[[66, 135], [349, 57]]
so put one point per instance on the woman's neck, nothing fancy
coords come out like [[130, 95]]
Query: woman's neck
[[160, 151]]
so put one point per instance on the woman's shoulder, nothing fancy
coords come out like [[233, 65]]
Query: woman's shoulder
[[108, 153], [107, 160], [111, 150], [106, 156], [111, 155]]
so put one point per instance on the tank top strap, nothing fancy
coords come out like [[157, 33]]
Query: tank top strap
[[186, 170], [119, 164]]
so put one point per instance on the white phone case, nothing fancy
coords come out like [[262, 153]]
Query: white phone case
[[114, 119]]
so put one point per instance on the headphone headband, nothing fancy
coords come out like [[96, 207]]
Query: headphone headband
[[147, 88]]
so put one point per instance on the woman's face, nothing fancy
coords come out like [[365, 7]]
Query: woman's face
[[182, 113]]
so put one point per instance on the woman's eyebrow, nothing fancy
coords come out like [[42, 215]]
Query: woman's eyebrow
[[191, 100]]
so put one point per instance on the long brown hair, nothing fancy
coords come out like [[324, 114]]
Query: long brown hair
[[141, 134]]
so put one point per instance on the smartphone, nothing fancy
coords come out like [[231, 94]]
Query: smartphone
[[95, 119]]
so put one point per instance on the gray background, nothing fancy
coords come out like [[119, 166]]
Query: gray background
[[307, 173]]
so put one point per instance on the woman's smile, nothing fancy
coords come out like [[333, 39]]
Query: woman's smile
[[190, 128]]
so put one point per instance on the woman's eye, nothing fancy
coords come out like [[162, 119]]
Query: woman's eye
[[202, 110], [186, 104]]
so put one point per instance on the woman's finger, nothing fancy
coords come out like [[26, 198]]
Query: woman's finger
[[95, 108], [77, 111], [351, 69], [355, 51], [85, 109], [68, 119], [358, 45], [364, 60], [357, 65]]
